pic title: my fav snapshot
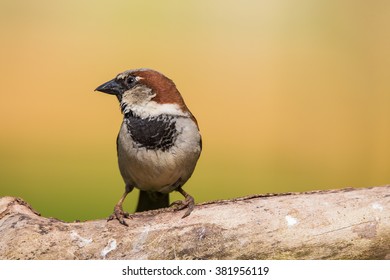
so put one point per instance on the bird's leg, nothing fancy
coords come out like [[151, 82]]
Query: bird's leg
[[119, 214], [187, 202]]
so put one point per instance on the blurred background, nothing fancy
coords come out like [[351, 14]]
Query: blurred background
[[289, 95]]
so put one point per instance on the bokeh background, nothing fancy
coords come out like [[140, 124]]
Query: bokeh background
[[289, 95]]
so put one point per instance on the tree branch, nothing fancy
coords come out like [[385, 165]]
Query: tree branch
[[336, 224]]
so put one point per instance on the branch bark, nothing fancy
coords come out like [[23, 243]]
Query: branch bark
[[336, 224]]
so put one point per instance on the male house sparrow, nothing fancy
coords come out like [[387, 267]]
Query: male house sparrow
[[158, 143]]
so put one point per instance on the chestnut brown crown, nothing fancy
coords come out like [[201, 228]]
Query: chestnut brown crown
[[162, 88]]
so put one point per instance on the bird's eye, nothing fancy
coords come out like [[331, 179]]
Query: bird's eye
[[130, 80]]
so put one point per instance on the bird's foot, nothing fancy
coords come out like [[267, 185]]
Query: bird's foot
[[120, 215], [188, 203]]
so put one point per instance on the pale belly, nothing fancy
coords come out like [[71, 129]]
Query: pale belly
[[157, 170]]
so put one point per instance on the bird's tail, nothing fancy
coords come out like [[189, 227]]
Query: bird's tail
[[152, 200]]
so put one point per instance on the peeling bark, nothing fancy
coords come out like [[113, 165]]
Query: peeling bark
[[337, 224]]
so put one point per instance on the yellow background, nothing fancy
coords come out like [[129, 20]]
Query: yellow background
[[289, 95]]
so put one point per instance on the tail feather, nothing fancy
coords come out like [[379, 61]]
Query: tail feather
[[152, 200]]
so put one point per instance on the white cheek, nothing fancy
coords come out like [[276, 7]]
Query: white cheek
[[138, 96]]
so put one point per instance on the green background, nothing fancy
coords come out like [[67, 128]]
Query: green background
[[289, 95]]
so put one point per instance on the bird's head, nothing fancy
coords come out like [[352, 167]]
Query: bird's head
[[146, 92]]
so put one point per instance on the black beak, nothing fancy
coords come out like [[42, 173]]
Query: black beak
[[111, 87]]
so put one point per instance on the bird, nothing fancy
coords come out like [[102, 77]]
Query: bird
[[159, 142]]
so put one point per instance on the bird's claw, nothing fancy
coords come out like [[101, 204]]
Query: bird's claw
[[119, 214], [188, 203]]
